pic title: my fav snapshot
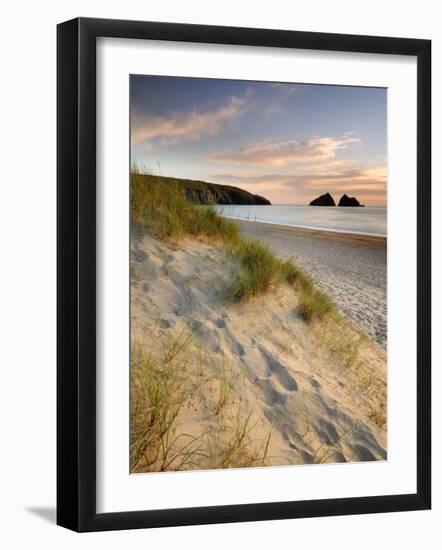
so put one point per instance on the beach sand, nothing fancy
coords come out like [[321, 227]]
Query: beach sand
[[352, 269], [260, 360]]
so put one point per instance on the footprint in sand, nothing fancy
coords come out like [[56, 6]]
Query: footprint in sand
[[196, 326], [272, 396], [307, 458], [165, 323], [366, 445], [235, 346], [210, 338], [220, 323], [139, 255], [280, 372], [314, 383], [336, 457], [362, 454], [327, 432]]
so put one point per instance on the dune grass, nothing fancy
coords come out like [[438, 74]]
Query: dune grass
[[157, 396], [259, 270], [162, 386], [167, 213], [314, 304], [233, 445]]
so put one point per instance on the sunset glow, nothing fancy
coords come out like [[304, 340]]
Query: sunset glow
[[288, 142]]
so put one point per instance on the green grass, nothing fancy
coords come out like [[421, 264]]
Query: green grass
[[234, 444], [315, 304], [163, 208], [259, 270]]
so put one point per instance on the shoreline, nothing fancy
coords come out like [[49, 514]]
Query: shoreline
[[352, 269], [320, 232]]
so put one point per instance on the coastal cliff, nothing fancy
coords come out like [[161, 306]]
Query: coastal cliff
[[202, 192]]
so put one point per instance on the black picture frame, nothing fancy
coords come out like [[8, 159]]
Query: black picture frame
[[77, 287]]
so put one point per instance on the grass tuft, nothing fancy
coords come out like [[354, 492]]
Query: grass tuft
[[234, 446], [259, 270], [314, 304]]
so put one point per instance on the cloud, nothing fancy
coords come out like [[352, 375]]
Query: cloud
[[283, 153], [375, 176], [272, 109], [287, 89], [280, 98], [184, 126]]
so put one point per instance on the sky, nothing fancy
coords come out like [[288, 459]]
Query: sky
[[287, 142]]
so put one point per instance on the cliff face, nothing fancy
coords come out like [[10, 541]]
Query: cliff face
[[202, 192]]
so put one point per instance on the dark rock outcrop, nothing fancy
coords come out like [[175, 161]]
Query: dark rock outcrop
[[323, 200], [345, 200], [202, 192], [212, 193]]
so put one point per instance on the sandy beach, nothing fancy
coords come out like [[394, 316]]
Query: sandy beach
[[352, 269], [256, 373]]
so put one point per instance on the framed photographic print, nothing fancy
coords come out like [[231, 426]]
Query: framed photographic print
[[243, 274]]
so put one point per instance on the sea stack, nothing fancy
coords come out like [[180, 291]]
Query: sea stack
[[323, 200], [345, 200]]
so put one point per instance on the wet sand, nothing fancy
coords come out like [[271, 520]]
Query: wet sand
[[351, 268]]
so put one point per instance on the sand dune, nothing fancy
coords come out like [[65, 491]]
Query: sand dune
[[278, 369]]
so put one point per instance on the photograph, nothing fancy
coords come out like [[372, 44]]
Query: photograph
[[258, 273]]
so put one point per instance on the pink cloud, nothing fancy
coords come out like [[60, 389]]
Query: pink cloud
[[283, 153], [180, 127]]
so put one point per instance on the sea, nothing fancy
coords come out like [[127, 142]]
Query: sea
[[367, 220]]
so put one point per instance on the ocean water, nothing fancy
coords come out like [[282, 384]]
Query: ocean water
[[369, 220]]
